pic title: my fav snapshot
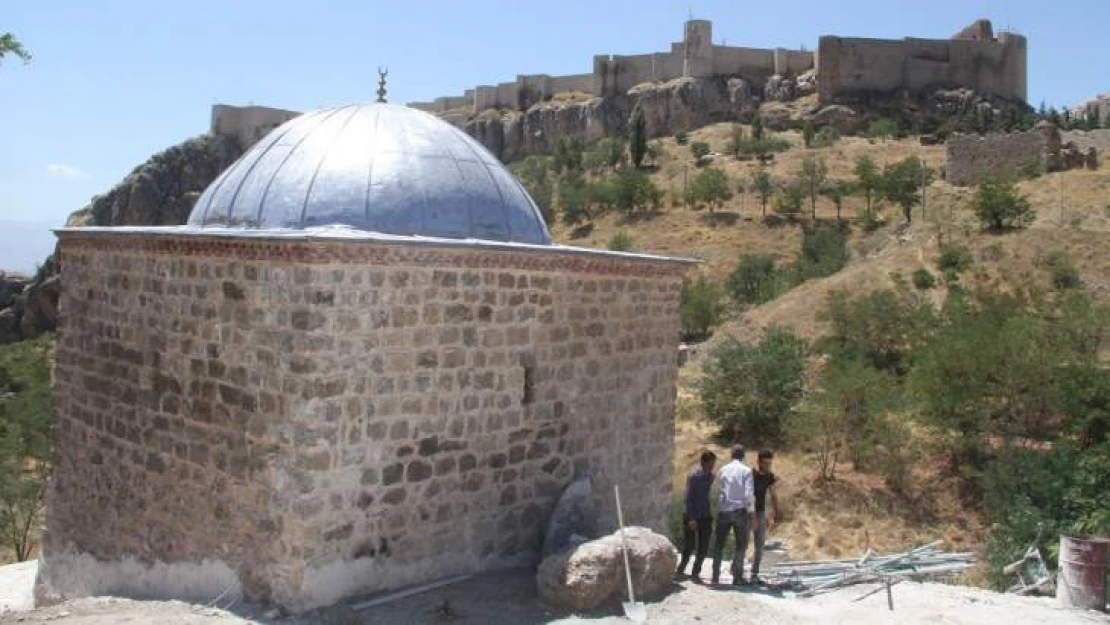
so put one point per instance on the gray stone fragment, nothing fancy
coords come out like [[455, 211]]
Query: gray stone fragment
[[574, 514]]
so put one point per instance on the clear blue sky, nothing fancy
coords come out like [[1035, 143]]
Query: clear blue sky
[[113, 81]]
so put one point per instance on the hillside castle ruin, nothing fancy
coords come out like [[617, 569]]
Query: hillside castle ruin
[[846, 68]]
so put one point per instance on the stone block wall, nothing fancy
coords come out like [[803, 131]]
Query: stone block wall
[[973, 158], [248, 124], [857, 67], [309, 419]]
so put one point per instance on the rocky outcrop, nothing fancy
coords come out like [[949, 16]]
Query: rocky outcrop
[[40, 312], [162, 191], [680, 104], [11, 308], [591, 575]]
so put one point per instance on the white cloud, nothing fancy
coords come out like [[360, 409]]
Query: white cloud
[[65, 172]]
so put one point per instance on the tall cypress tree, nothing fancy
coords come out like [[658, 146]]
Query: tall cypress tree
[[638, 139]]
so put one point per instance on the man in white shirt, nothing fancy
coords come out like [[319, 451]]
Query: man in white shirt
[[735, 513]]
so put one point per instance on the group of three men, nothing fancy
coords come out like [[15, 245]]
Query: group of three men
[[741, 510]]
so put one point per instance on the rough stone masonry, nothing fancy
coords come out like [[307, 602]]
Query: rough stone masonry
[[301, 419]]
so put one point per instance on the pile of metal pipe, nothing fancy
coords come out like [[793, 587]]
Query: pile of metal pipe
[[812, 577]]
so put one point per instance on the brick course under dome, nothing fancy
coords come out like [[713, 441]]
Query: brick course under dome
[[305, 416]]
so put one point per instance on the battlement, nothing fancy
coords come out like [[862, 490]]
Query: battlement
[[974, 58], [695, 56], [248, 124]]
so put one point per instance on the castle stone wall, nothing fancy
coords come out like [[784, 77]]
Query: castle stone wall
[[855, 67], [318, 418], [248, 124]]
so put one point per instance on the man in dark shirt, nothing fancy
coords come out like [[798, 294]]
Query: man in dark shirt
[[697, 520], [764, 485]]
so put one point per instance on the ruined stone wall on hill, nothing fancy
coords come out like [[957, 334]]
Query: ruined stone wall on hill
[[312, 419], [973, 158]]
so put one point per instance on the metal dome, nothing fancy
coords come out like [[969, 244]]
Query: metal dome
[[374, 167]]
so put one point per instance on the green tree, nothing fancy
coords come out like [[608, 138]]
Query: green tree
[[812, 175], [757, 127], [736, 141], [573, 199], [636, 194], [1000, 207], [748, 389], [846, 418], [711, 187], [605, 154], [702, 308], [867, 179], [788, 201], [882, 128], [901, 184], [756, 280], [655, 152], [837, 191], [10, 45], [534, 174], [824, 252], [637, 143], [25, 411], [808, 134], [762, 185], [568, 154], [882, 329]]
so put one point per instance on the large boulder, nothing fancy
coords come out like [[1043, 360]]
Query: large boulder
[[744, 99], [574, 515], [779, 88], [590, 575], [842, 117]]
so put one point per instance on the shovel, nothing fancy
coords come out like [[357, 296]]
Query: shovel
[[634, 610]]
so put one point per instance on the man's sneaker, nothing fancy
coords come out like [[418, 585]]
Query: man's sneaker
[[756, 581], [716, 581]]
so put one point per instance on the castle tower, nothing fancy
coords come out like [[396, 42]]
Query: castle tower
[[697, 49]]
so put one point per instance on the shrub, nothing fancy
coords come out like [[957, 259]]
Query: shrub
[[757, 280], [1000, 207], [882, 128], [620, 242], [711, 187], [702, 308], [923, 279], [788, 201], [824, 252], [1064, 274], [881, 329], [826, 137], [681, 137], [1032, 170], [1060, 491], [808, 134], [699, 149], [635, 194], [955, 258], [749, 388]]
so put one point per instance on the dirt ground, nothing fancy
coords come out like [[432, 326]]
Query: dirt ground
[[509, 598]]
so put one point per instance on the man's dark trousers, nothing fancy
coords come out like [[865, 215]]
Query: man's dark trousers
[[735, 521], [690, 537]]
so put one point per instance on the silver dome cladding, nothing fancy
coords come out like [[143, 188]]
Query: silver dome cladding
[[374, 167]]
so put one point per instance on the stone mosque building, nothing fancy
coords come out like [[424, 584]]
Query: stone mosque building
[[362, 364]]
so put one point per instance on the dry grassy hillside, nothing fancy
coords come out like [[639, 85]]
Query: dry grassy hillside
[[1073, 215], [841, 519]]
